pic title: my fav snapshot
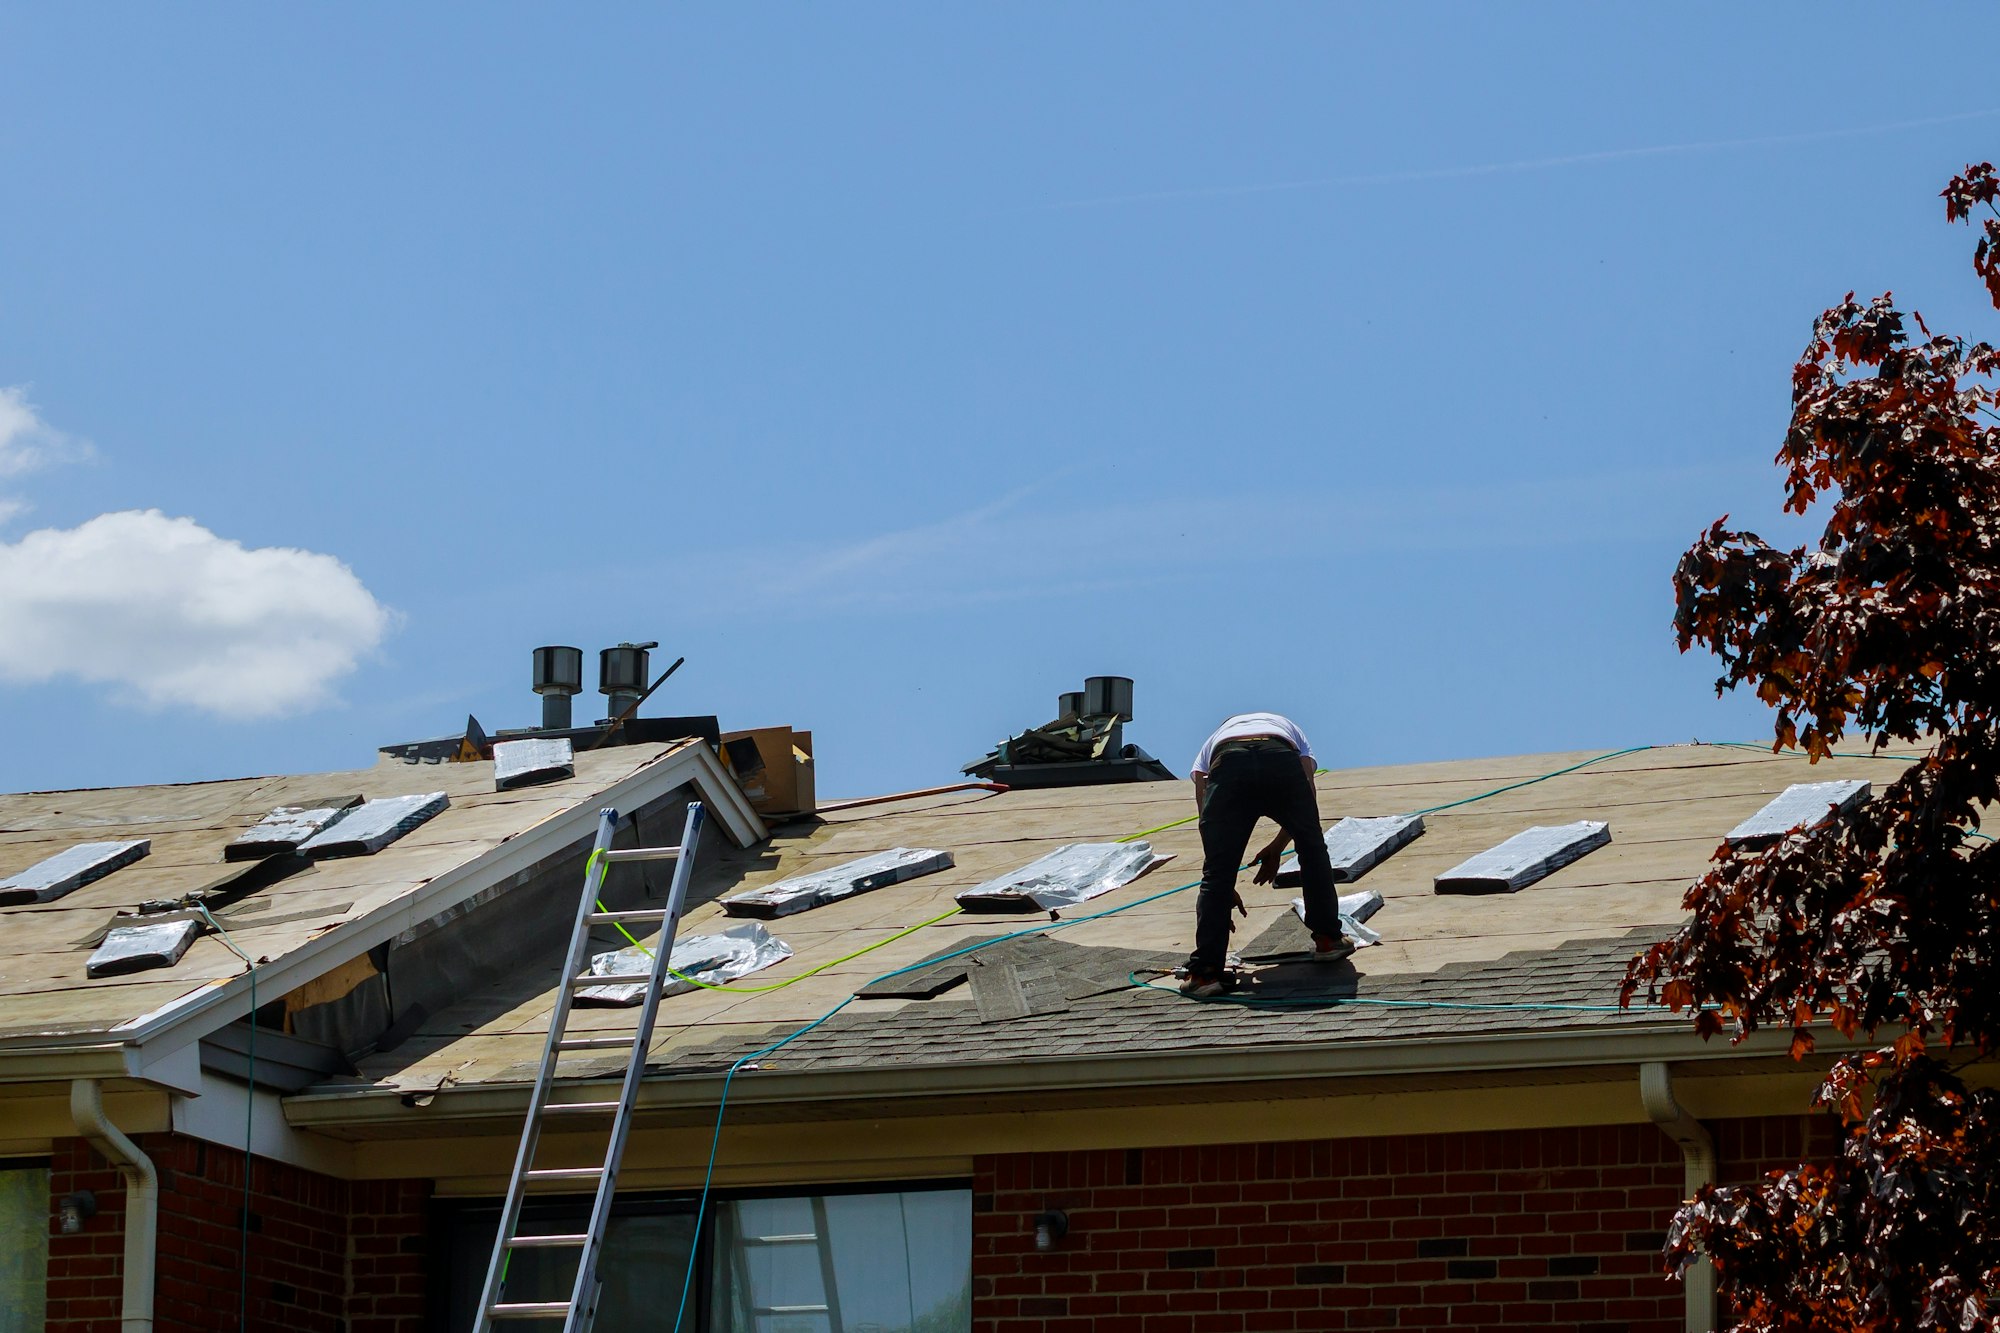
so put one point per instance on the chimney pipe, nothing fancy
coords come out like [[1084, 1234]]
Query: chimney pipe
[[558, 676]]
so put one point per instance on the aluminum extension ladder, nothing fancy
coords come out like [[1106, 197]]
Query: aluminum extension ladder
[[580, 1309]]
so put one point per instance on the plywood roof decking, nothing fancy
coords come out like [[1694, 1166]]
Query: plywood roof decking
[[1566, 935], [44, 948]]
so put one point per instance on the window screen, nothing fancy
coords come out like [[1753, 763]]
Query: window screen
[[645, 1261], [844, 1263], [24, 1248]]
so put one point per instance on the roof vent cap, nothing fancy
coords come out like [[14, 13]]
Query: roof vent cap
[[558, 675], [621, 675], [1108, 696]]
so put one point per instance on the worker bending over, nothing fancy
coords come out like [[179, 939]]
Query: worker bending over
[[1257, 765]]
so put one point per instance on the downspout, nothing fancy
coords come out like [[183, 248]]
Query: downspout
[[142, 1199], [1656, 1092]]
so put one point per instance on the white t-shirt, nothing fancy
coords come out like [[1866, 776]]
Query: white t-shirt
[[1253, 724]]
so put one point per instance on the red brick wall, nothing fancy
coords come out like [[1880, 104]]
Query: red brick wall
[[1524, 1229], [326, 1255]]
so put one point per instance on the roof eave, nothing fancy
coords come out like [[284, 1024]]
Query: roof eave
[[1490, 1054], [208, 1007]]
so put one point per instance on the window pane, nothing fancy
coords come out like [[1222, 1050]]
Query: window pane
[[845, 1263], [646, 1258], [24, 1249]]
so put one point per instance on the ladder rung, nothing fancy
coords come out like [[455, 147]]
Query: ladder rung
[[529, 1310], [565, 1173], [636, 914], [579, 1108], [586, 981], [789, 1309], [546, 1242], [802, 1238], [593, 1043], [643, 854]]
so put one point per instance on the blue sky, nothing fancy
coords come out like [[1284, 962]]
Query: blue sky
[[901, 366]]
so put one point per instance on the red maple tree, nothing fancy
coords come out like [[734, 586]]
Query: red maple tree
[[1883, 923]]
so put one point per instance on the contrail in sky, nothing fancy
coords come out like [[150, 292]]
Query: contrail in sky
[[1520, 164]]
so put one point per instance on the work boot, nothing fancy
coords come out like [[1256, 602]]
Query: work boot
[[1205, 985], [1335, 948]]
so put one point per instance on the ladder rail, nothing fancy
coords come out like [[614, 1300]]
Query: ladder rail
[[574, 961], [635, 1072]]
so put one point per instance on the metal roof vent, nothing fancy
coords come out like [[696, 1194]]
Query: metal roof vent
[[622, 675], [1108, 696], [1085, 745], [558, 677]]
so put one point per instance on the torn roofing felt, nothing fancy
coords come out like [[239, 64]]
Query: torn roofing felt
[[1801, 805], [373, 825], [1356, 846], [69, 870], [1530, 855], [288, 826], [1080, 969], [1066, 876], [805, 892], [525, 763]]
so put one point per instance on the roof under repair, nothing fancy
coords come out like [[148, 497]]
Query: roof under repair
[[1064, 1001]]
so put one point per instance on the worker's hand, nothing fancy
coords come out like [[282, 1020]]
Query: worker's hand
[[1241, 910], [1267, 862]]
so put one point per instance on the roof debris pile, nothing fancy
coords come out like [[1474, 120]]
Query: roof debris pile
[[1083, 746]]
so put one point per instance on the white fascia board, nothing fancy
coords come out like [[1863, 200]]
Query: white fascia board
[[220, 1116], [186, 1020]]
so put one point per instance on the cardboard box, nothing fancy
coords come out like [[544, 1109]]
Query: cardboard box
[[785, 786]]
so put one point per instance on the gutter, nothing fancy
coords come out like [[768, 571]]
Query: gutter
[[142, 1200], [668, 1090], [1656, 1092]]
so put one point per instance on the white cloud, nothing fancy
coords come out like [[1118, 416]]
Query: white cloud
[[170, 614], [27, 442]]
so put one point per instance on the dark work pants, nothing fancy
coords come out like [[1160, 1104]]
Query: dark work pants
[[1248, 781]]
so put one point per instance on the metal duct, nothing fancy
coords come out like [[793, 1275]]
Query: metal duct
[[1108, 696]]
